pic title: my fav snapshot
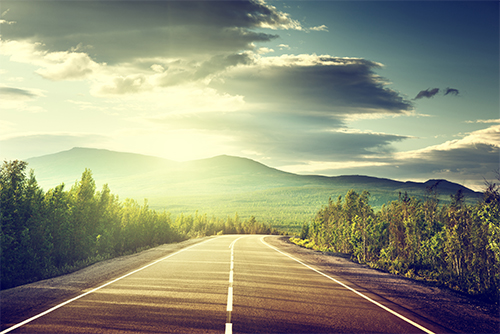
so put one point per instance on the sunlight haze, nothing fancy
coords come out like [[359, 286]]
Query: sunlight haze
[[402, 90]]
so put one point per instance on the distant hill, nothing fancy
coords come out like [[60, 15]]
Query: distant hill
[[222, 185]]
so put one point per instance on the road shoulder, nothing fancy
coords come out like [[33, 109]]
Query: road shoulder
[[25, 301], [451, 310]]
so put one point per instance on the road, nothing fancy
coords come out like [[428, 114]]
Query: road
[[226, 284]]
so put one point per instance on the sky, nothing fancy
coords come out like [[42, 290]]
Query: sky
[[407, 90]]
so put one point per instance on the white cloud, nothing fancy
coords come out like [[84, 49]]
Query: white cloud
[[67, 66], [54, 66], [7, 22], [157, 68], [317, 167], [489, 136], [23, 51], [262, 51], [319, 28], [275, 18], [485, 121], [122, 85]]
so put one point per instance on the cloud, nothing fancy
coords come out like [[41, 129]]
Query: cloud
[[20, 99], [311, 83], [489, 137], [264, 50], [123, 85], [12, 93], [166, 29], [451, 91], [7, 22], [67, 66], [220, 63], [467, 160], [131, 48], [318, 28], [428, 93], [281, 138], [55, 66], [485, 121], [194, 67]]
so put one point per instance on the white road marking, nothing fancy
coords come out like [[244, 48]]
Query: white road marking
[[402, 317], [230, 299], [95, 289], [229, 308]]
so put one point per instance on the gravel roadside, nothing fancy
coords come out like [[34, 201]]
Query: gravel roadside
[[452, 311]]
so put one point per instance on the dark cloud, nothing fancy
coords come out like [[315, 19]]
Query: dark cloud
[[119, 31], [290, 137], [451, 91], [11, 93], [428, 93], [175, 74], [468, 166], [316, 84], [469, 160]]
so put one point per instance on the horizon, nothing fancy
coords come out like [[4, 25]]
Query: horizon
[[398, 90], [239, 157]]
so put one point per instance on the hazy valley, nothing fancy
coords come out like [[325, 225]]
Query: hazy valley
[[223, 185]]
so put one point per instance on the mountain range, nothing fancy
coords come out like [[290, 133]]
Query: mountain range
[[222, 185]]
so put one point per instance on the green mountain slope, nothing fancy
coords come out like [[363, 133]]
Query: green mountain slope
[[221, 186]]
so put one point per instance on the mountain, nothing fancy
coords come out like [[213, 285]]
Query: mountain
[[221, 185]]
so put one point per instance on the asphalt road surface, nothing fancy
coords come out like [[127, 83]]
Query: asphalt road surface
[[227, 284]]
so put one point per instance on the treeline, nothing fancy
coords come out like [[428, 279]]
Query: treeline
[[456, 244], [44, 234]]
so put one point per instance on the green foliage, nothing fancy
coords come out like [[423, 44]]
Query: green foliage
[[201, 225], [222, 185], [455, 244], [46, 234]]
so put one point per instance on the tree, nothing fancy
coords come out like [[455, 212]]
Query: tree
[[84, 217]]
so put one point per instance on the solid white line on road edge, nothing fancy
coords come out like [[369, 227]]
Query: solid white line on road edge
[[402, 317], [95, 289]]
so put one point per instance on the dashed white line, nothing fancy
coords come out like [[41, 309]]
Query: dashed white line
[[229, 308], [402, 317], [230, 299], [229, 328]]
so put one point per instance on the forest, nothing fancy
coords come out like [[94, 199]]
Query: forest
[[454, 244], [48, 233]]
